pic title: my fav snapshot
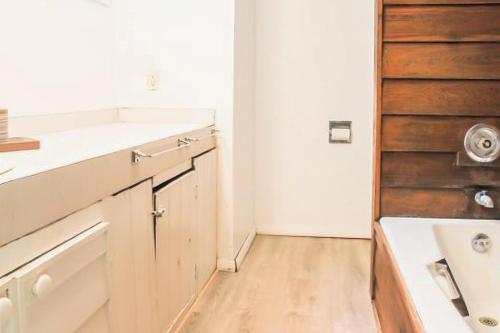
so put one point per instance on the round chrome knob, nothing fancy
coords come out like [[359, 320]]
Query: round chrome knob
[[43, 286], [6, 311], [481, 243], [482, 143]]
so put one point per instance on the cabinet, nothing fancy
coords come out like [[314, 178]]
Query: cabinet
[[175, 206], [186, 236], [206, 226], [63, 290]]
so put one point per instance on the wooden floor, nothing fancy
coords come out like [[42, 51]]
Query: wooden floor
[[288, 285]]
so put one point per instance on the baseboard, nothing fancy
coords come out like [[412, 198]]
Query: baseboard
[[226, 265], [304, 231], [244, 249]]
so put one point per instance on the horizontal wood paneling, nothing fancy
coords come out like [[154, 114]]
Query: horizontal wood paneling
[[438, 2], [433, 170], [434, 97], [442, 23], [442, 60], [432, 134], [436, 203]]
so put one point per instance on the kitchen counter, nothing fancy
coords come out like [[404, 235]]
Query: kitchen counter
[[69, 147], [414, 247]]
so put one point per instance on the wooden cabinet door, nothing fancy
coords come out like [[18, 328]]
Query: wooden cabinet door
[[175, 266], [206, 227]]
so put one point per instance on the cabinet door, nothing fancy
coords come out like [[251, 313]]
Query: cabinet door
[[206, 228], [175, 267]]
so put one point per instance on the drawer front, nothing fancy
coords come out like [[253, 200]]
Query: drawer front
[[65, 289]]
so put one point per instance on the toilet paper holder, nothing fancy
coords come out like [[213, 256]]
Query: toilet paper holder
[[340, 132]]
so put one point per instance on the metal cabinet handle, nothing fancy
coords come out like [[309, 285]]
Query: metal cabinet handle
[[181, 143]]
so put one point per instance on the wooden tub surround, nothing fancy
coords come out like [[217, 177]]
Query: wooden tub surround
[[437, 75]]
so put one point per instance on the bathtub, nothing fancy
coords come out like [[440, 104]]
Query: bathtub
[[418, 243]]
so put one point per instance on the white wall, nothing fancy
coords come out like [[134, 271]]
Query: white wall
[[244, 122], [56, 56], [314, 64]]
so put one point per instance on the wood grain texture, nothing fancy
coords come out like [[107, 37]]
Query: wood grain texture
[[434, 97], [441, 23], [393, 304], [445, 203], [442, 60], [432, 134], [433, 170], [18, 144], [439, 2], [291, 284]]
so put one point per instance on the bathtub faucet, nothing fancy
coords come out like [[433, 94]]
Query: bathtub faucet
[[483, 199]]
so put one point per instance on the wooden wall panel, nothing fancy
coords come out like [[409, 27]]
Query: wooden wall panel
[[436, 97], [450, 203], [442, 23], [439, 2], [442, 60], [433, 170], [431, 134], [394, 308]]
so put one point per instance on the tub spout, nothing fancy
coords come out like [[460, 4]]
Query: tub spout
[[483, 199]]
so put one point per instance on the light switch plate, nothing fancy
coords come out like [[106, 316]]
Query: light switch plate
[[340, 125]]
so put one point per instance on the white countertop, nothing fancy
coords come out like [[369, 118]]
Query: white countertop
[[414, 247], [69, 147]]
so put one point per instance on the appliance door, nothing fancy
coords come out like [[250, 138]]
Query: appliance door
[[66, 289]]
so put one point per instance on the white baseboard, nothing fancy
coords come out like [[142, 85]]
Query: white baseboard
[[226, 265], [305, 231], [233, 265], [244, 249]]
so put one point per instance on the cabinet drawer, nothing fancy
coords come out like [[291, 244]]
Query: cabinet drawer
[[68, 286]]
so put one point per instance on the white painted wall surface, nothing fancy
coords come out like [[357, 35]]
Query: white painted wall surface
[[314, 64], [244, 122], [56, 56]]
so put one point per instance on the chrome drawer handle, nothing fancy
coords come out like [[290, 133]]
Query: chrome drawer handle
[[181, 143]]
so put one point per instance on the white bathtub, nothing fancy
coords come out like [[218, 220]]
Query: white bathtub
[[417, 243]]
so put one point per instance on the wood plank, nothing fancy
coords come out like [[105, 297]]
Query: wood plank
[[440, 203], [286, 285], [432, 134], [430, 97], [442, 60], [393, 304], [377, 126], [433, 170], [442, 23], [18, 144], [439, 2]]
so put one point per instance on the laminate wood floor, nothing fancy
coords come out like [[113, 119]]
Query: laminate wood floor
[[291, 285]]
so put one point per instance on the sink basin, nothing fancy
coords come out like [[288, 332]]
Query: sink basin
[[476, 269]]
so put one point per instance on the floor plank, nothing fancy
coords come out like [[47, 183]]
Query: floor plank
[[291, 284]]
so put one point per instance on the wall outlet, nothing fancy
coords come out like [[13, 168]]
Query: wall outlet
[[153, 80]]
